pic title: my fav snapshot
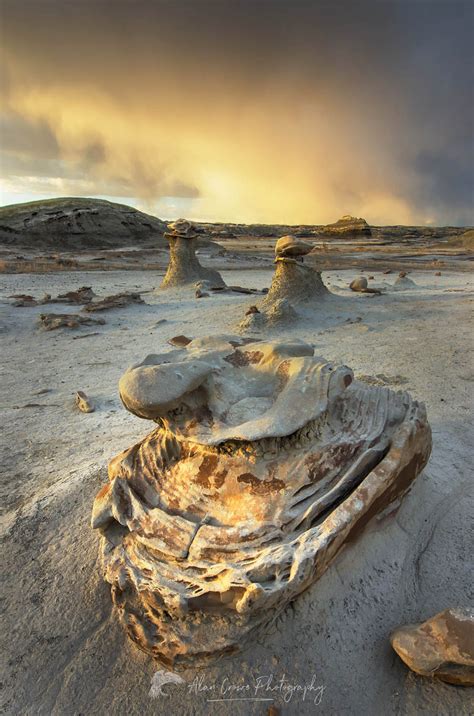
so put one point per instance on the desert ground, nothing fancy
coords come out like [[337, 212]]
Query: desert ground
[[64, 651]]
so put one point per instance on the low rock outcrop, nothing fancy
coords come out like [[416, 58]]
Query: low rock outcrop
[[118, 300], [52, 321]]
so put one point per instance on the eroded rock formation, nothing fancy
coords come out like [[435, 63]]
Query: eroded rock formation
[[442, 647], [265, 461], [184, 267], [293, 285], [346, 227]]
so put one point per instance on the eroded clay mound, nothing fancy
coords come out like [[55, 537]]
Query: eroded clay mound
[[266, 460], [295, 282], [184, 267]]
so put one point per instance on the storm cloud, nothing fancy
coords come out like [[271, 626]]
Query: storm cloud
[[276, 111]]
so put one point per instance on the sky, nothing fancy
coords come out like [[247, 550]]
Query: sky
[[272, 111]]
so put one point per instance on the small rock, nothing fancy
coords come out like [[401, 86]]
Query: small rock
[[388, 271], [358, 319], [179, 341], [252, 309], [358, 284], [201, 294], [22, 300], [85, 294], [52, 321], [441, 647], [84, 404], [119, 300], [438, 273]]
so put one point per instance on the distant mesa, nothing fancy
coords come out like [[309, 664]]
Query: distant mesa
[[347, 227]]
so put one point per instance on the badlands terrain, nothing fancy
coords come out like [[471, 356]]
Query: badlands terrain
[[63, 649]]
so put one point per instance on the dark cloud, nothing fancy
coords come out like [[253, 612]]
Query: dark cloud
[[27, 137], [366, 105]]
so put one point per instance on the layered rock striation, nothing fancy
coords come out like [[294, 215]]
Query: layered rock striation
[[265, 461]]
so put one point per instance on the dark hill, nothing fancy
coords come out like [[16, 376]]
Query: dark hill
[[76, 223]]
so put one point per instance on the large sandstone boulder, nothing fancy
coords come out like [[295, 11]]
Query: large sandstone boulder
[[265, 461]]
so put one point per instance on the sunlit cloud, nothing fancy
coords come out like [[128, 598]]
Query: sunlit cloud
[[295, 114]]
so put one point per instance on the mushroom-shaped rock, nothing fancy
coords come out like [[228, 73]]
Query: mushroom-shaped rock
[[155, 388], [265, 461], [442, 647], [182, 228], [291, 246], [184, 267]]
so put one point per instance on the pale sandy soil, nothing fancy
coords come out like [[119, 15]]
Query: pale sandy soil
[[63, 651]]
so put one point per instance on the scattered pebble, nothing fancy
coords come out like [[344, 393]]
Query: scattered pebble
[[84, 404]]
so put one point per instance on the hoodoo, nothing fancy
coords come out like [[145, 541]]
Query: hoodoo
[[293, 280], [294, 285], [184, 267]]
